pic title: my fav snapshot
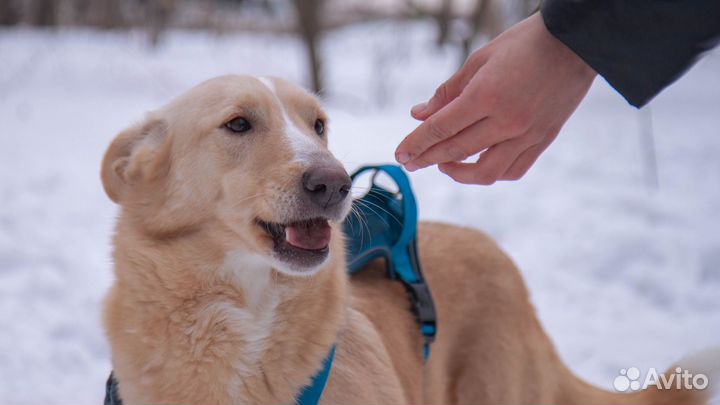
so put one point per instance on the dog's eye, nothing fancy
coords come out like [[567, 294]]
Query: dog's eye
[[319, 127], [238, 125]]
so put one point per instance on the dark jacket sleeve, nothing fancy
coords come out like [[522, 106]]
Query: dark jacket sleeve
[[638, 46]]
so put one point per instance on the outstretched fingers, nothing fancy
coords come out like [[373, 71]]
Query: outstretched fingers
[[525, 160], [471, 140], [448, 112], [490, 166]]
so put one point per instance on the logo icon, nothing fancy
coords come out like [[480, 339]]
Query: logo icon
[[629, 380]]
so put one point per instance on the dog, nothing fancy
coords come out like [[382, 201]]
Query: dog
[[231, 284]]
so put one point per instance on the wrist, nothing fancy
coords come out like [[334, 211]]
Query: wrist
[[561, 52]]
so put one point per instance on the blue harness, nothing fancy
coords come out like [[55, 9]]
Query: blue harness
[[383, 225], [386, 227]]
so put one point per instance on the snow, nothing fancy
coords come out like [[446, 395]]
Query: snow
[[623, 274]]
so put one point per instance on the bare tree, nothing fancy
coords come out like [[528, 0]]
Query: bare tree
[[443, 18], [9, 13], [44, 13], [158, 14], [486, 18], [111, 15], [82, 12], [310, 28]]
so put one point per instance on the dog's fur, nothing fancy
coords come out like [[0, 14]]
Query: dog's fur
[[202, 310]]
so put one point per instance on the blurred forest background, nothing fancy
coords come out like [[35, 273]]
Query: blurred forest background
[[459, 23]]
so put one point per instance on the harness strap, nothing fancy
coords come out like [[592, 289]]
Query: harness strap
[[311, 394], [388, 229], [111, 391]]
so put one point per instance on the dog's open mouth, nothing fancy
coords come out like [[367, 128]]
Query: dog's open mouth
[[303, 243]]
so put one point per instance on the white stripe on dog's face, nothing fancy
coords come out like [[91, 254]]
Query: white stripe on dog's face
[[303, 148]]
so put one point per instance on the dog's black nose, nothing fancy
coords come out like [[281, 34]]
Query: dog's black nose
[[326, 185]]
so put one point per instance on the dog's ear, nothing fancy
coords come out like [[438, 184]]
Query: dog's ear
[[138, 154]]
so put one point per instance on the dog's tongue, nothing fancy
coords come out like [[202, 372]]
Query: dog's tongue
[[312, 235]]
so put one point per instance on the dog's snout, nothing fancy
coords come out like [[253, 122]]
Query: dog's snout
[[326, 186]]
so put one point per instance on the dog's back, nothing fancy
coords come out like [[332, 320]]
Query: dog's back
[[487, 330], [490, 346]]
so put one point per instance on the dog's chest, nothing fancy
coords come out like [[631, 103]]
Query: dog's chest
[[247, 321]]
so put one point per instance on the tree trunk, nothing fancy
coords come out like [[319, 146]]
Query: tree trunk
[[487, 18], [111, 13], [309, 28], [443, 19], [158, 16], [44, 13], [9, 14]]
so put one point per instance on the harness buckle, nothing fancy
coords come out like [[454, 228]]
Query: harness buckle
[[424, 309]]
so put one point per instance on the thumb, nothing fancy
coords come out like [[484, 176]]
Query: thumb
[[451, 88]]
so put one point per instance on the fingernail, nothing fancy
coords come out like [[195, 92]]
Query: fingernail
[[411, 167], [419, 108], [402, 157]]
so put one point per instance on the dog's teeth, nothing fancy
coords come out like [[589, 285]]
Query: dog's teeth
[[287, 233]]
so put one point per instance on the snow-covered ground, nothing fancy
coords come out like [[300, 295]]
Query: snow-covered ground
[[623, 274]]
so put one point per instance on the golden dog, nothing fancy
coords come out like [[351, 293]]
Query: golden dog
[[231, 284]]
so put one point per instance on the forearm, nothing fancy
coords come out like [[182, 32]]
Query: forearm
[[638, 46]]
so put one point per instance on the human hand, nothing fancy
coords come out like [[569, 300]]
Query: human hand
[[510, 99]]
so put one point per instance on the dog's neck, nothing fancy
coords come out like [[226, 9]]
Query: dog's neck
[[248, 332]]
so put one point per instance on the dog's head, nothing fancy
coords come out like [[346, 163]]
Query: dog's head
[[247, 157]]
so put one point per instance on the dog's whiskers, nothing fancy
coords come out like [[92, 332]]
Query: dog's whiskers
[[364, 202], [372, 192], [363, 222], [249, 198]]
